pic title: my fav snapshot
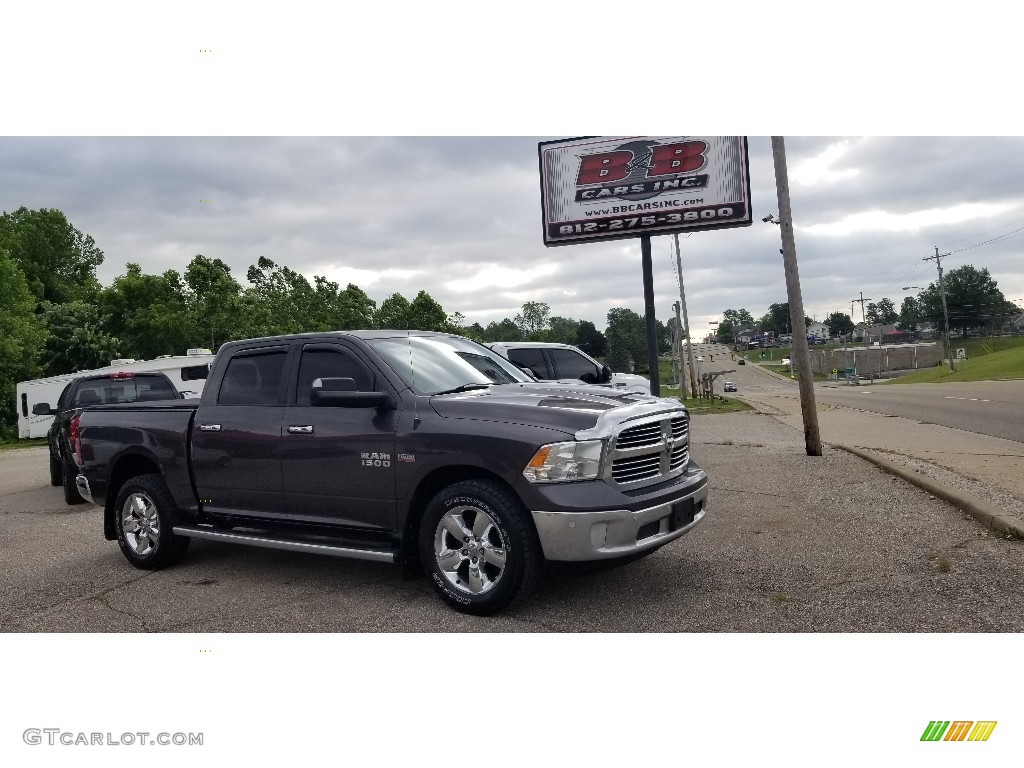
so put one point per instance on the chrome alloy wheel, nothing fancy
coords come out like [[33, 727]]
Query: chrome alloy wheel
[[470, 550], [140, 523]]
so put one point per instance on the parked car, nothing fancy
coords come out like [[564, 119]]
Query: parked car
[[549, 361], [120, 387], [730, 386]]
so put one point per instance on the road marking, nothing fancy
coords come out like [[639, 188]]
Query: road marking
[[972, 399]]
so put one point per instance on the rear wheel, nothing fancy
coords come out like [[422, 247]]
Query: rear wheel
[[144, 516], [478, 547], [71, 494]]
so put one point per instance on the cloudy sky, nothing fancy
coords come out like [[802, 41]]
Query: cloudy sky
[[460, 218]]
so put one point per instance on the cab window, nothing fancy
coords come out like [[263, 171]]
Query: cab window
[[532, 359], [325, 363]]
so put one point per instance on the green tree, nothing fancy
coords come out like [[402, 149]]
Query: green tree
[[910, 314], [591, 340], [882, 313], [21, 335], [533, 319], [147, 313], [282, 297], [506, 330], [973, 300], [58, 261], [733, 320], [393, 313], [839, 324], [425, 314], [563, 330], [355, 309], [76, 340], [627, 340], [216, 310], [475, 332], [777, 320]]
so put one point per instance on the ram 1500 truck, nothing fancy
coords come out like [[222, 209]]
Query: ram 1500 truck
[[423, 449]]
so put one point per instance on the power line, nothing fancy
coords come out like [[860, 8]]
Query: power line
[[972, 237], [1001, 238]]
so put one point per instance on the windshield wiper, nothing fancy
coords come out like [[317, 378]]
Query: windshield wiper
[[463, 388]]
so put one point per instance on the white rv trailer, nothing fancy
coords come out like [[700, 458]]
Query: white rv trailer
[[188, 372]]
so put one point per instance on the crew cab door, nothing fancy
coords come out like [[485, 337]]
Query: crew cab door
[[236, 442], [338, 463]]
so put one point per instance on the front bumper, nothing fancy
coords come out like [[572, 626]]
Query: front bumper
[[580, 535]]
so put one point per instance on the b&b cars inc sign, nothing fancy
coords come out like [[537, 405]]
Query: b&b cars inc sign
[[601, 189]]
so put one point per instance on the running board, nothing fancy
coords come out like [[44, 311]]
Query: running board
[[195, 532]]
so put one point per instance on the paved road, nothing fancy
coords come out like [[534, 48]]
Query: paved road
[[994, 408], [792, 544]]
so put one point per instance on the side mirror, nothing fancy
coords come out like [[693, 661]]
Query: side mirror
[[42, 409], [606, 375], [341, 393]]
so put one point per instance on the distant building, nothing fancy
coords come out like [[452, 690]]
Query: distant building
[[819, 331]]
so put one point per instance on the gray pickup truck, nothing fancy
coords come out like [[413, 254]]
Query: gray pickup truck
[[422, 449]]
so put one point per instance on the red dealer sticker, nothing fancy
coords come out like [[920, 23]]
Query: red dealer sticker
[[603, 189]]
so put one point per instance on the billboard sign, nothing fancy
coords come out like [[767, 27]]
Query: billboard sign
[[603, 189]]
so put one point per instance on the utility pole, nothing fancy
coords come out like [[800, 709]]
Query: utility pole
[[945, 312], [863, 321], [677, 353], [812, 435], [686, 321]]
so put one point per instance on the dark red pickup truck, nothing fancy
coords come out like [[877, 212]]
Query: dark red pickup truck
[[423, 449], [85, 391]]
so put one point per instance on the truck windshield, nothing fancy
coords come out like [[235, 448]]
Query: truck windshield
[[433, 364]]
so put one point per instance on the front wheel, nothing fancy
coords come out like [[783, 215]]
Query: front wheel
[[144, 518], [478, 547]]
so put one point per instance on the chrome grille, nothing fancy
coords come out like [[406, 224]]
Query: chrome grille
[[680, 427], [650, 451], [680, 456], [639, 468], [636, 437]]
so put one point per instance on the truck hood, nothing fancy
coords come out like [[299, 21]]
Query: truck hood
[[574, 408]]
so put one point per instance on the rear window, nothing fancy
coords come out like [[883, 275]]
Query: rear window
[[138, 388]]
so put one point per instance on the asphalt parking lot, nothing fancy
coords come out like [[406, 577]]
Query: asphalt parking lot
[[791, 544]]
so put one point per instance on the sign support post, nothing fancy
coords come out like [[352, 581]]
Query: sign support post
[[652, 330]]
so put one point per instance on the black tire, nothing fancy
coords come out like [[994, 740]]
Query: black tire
[[145, 503], [56, 472], [71, 494], [499, 557]]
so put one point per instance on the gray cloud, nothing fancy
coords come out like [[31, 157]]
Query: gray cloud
[[438, 214]]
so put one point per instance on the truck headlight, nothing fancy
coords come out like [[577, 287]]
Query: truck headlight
[[560, 462]]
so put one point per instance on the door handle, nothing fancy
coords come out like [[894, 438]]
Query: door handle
[[209, 427], [303, 430]]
